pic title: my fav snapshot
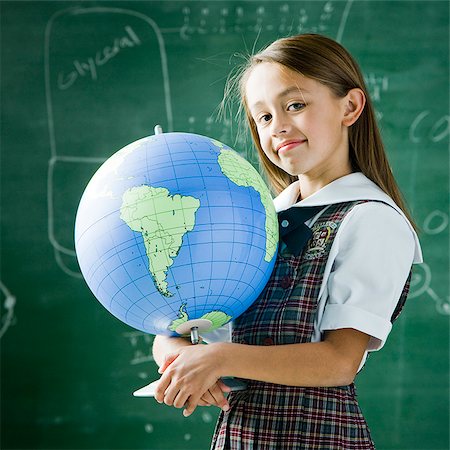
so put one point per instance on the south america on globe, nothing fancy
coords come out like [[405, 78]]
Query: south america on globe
[[175, 228]]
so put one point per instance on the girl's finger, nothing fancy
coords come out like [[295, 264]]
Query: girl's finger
[[223, 386], [170, 394], [180, 399], [162, 387], [191, 404], [202, 402], [219, 398], [208, 398], [168, 360]]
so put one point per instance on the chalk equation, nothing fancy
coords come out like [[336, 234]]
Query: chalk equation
[[286, 19]]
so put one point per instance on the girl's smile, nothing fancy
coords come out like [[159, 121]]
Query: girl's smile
[[300, 124], [285, 146]]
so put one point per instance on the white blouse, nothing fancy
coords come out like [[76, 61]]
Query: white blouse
[[369, 261]]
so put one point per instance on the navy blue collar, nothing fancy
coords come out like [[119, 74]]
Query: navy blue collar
[[293, 231]]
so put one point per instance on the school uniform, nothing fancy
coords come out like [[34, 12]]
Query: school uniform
[[344, 261]]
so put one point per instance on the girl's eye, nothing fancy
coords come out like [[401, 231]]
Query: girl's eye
[[264, 118], [297, 106]]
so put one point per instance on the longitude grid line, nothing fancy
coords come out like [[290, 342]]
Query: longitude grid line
[[176, 181], [189, 247], [210, 226], [264, 250], [111, 253], [144, 257], [234, 238], [250, 246], [214, 306], [135, 304], [132, 280], [120, 289], [158, 306], [107, 273], [101, 219]]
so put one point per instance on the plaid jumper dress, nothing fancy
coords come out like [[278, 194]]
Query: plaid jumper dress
[[271, 416]]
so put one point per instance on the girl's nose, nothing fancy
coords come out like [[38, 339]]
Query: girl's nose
[[279, 125]]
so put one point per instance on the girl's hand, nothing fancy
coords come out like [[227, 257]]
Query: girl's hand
[[191, 377], [214, 396]]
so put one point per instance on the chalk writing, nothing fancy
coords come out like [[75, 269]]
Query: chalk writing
[[7, 309], [436, 222], [141, 343], [287, 20], [89, 66], [424, 126], [376, 84]]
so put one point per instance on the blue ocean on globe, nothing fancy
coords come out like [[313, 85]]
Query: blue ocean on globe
[[176, 228]]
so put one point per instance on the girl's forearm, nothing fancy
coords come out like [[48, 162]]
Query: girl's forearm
[[328, 363], [162, 345]]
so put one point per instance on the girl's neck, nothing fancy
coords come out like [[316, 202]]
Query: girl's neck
[[310, 185]]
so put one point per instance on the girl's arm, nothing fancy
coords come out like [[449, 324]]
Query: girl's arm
[[334, 361], [166, 350], [331, 362], [163, 345]]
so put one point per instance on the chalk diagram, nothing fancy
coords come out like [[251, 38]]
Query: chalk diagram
[[125, 39], [435, 223], [194, 23]]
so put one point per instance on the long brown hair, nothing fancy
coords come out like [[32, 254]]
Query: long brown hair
[[324, 60]]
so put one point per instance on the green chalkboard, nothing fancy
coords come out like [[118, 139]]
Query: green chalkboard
[[79, 80]]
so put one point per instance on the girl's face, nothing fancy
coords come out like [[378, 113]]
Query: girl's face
[[299, 122]]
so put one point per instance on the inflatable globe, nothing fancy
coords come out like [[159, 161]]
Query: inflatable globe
[[176, 230]]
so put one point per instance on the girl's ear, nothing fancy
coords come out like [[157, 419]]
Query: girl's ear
[[355, 101]]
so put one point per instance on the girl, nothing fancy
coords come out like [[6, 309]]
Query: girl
[[342, 272]]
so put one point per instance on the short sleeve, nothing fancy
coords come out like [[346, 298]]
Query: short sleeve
[[375, 252]]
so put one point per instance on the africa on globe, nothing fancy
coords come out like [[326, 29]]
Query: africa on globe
[[176, 229]]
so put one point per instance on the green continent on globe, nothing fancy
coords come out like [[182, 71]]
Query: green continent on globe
[[217, 318], [242, 173], [163, 220], [182, 317]]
